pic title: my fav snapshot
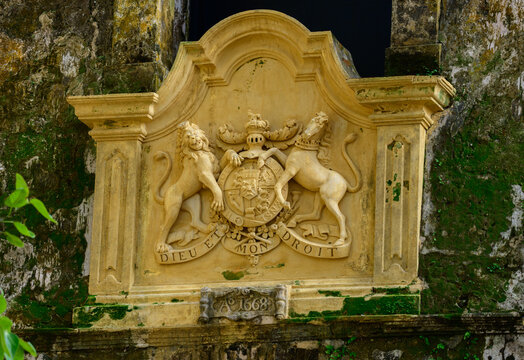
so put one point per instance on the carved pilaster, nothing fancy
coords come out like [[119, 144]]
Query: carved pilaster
[[117, 123], [402, 110], [400, 160]]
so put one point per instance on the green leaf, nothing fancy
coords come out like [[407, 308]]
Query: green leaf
[[41, 209], [27, 346], [16, 199], [11, 343], [5, 323], [13, 239], [19, 355], [22, 185], [23, 230], [3, 345], [3, 303]]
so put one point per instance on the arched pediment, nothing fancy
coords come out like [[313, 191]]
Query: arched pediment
[[215, 59]]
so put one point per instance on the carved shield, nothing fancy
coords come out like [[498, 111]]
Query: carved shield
[[249, 195]]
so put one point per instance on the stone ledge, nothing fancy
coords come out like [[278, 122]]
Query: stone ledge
[[286, 331], [327, 305]]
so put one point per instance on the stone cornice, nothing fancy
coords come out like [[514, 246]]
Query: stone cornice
[[401, 100], [115, 116]]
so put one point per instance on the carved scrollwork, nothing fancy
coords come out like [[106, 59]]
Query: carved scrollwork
[[229, 138], [282, 138]]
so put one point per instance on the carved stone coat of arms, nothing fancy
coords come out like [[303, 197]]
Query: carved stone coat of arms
[[318, 189], [253, 209]]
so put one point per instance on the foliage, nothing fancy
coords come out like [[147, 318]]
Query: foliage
[[16, 200], [465, 349], [11, 346], [340, 352]]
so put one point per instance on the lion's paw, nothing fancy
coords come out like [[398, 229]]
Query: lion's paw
[[217, 205], [162, 248], [339, 242], [235, 159], [210, 227]]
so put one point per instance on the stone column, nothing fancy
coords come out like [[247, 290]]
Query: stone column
[[145, 40], [414, 38], [402, 111], [118, 127]]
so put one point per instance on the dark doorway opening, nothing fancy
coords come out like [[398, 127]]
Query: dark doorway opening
[[362, 26]]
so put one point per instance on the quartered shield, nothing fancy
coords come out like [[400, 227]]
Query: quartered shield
[[249, 194]]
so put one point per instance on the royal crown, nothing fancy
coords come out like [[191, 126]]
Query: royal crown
[[256, 125]]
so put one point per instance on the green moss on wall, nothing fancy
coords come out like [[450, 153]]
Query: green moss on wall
[[373, 305], [233, 275], [87, 315], [466, 261], [330, 293], [56, 307], [394, 290], [472, 184]]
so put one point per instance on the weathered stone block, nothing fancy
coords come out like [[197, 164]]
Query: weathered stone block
[[416, 59]]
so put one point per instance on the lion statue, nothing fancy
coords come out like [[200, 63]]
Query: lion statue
[[200, 168]]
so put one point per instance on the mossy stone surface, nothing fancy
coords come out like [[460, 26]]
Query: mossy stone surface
[[54, 49], [471, 258]]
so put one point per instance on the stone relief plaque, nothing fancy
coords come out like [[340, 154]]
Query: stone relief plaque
[[262, 159], [243, 303]]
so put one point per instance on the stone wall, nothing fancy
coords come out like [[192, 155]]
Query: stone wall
[[376, 338], [471, 256], [472, 259]]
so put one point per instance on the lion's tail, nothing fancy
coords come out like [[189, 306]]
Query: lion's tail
[[157, 193], [358, 176]]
